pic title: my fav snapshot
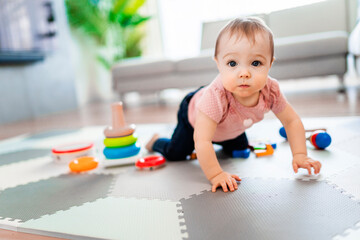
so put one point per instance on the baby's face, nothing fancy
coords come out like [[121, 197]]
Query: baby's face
[[244, 65]]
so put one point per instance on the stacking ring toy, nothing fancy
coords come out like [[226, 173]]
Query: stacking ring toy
[[83, 164], [120, 162], [123, 152], [150, 162], [111, 132], [120, 142], [119, 127]]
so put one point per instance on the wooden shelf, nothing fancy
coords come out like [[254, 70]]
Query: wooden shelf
[[20, 57]]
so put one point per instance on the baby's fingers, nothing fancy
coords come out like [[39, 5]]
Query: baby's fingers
[[236, 177], [214, 187], [317, 166], [308, 167], [224, 186], [305, 165], [234, 183], [230, 183], [295, 167]]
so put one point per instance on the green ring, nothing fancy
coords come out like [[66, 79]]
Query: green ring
[[120, 142]]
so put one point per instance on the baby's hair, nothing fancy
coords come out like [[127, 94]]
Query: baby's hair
[[248, 26]]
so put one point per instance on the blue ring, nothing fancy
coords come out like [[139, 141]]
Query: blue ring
[[121, 152]]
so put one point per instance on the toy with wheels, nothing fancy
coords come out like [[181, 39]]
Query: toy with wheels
[[319, 138], [260, 149], [120, 142], [241, 153], [150, 162]]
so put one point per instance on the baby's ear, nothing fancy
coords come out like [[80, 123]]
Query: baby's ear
[[272, 61], [216, 60]]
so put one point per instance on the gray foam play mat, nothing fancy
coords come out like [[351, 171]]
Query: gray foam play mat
[[175, 202]]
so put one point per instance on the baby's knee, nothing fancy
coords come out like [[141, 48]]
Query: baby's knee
[[175, 156]]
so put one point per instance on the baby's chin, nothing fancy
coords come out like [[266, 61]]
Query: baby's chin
[[244, 95], [243, 91]]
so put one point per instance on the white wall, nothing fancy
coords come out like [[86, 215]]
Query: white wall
[[181, 20]]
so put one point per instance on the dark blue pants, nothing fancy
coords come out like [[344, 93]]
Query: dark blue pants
[[182, 144]]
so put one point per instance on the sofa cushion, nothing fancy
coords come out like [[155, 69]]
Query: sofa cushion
[[311, 45], [202, 62], [312, 18], [142, 67], [354, 40], [317, 66]]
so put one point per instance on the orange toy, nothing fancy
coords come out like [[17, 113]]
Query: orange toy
[[119, 127], [83, 164], [269, 151]]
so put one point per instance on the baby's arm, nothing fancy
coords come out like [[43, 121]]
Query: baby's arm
[[203, 134], [296, 135]]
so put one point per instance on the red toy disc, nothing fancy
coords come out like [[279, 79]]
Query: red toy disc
[[150, 161], [76, 147]]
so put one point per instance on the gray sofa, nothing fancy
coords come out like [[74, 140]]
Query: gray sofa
[[354, 46], [310, 40]]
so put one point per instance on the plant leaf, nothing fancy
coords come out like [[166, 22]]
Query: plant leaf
[[133, 40], [132, 20], [133, 6], [107, 64], [117, 9], [85, 16]]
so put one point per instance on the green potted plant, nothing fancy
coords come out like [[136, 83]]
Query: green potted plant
[[114, 25]]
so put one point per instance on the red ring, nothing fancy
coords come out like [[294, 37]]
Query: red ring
[[150, 161], [70, 148], [313, 140]]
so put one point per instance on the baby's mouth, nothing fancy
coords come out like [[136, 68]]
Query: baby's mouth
[[244, 86]]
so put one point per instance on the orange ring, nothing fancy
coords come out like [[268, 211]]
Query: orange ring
[[83, 164]]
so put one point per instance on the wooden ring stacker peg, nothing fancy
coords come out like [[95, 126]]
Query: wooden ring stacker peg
[[119, 127], [315, 129]]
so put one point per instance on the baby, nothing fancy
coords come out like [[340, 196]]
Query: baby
[[236, 99]]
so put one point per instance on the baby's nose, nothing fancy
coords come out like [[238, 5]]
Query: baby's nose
[[244, 73]]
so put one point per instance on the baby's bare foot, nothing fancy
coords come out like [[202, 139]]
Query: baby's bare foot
[[151, 142]]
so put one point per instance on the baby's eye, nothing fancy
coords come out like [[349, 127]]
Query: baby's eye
[[256, 63], [232, 63]]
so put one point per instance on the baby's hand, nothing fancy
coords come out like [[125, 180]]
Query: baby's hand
[[303, 161], [225, 180]]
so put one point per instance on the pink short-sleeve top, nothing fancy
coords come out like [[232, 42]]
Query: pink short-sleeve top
[[232, 117]]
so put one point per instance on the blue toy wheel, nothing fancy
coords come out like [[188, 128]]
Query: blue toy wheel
[[241, 153], [323, 140], [282, 132]]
